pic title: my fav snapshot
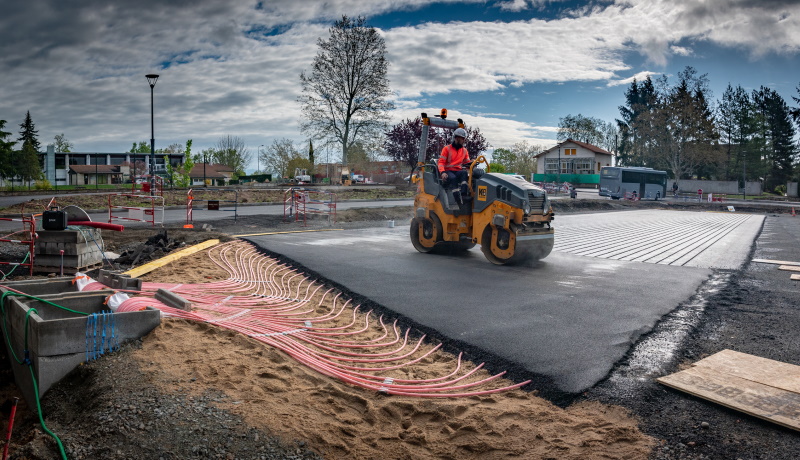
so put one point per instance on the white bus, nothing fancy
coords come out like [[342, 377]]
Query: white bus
[[643, 183]]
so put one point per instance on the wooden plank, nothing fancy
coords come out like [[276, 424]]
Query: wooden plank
[[762, 401], [795, 277], [790, 268], [148, 267], [765, 371], [777, 262]]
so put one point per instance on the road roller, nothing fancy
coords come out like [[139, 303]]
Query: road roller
[[509, 217]]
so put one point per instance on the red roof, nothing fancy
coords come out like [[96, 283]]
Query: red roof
[[212, 171], [590, 147]]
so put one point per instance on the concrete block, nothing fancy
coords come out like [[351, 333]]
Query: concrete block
[[173, 300], [57, 339], [86, 235], [43, 286]]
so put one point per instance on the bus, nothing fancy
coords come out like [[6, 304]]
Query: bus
[[644, 183]]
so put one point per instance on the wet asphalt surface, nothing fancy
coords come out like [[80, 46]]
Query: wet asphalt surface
[[753, 310]]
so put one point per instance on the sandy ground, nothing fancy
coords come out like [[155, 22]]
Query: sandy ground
[[272, 391], [192, 390]]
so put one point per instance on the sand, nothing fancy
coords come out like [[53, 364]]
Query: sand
[[272, 391]]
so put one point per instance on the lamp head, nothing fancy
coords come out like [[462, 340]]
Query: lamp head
[[152, 79]]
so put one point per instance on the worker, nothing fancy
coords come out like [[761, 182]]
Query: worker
[[453, 164]]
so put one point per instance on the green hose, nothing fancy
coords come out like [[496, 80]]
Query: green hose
[[15, 266], [26, 361]]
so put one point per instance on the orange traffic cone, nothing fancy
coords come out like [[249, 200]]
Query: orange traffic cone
[[793, 214]]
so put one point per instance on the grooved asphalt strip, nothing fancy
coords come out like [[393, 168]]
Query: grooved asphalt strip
[[672, 240]]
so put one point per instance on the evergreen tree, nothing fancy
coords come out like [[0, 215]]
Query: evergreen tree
[[777, 133], [7, 168], [28, 133]]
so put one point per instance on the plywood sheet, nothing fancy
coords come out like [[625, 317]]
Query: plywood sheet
[[757, 386], [755, 368], [777, 262]]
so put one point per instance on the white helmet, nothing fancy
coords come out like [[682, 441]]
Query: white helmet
[[460, 132]]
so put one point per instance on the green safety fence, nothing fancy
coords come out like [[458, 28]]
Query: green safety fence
[[571, 178]]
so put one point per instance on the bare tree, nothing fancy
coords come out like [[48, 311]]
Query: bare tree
[[524, 155], [344, 98], [62, 144], [278, 155], [231, 151]]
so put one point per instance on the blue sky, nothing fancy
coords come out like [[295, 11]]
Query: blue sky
[[510, 67]]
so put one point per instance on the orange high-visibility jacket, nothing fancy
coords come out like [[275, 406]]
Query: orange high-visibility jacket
[[452, 159]]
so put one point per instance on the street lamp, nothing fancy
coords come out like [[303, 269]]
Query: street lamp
[[152, 79]]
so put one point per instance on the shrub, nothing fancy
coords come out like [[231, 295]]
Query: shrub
[[780, 190], [43, 184]]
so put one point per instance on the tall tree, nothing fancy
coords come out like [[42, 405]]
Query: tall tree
[[737, 125], [641, 101], [310, 152], [778, 133], [278, 156], [28, 132], [7, 168], [524, 155], [232, 152], [28, 167], [62, 144], [344, 97], [580, 128], [505, 158]]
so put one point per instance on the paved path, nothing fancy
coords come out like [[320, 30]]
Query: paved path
[[569, 318]]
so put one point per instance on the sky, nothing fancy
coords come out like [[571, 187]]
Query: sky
[[512, 68]]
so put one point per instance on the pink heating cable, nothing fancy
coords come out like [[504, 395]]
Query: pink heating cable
[[272, 303]]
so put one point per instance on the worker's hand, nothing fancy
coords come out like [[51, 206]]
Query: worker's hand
[[444, 176]]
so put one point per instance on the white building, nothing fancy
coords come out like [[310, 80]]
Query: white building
[[574, 157]]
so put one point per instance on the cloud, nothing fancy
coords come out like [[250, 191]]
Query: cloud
[[638, 77], [233, 67]]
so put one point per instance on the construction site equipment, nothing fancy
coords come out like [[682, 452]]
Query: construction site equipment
[[27, 237], [299, 202], [198, 196], [140, 208], [509, 217], [301, 176]]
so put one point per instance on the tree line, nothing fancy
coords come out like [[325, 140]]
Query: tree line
[[744, 136]]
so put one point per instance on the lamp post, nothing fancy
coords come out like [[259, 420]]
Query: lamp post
[[258, 159], [152, 79]]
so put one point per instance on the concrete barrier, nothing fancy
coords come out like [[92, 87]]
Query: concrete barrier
[[56, 338]]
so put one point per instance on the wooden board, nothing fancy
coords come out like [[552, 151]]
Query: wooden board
[[778, 262], [173, 256], [795, 277], [790, 268], [757, 386]]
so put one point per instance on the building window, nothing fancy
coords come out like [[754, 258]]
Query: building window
[[583, 165], [551, 166], [567, 166], [570, 151]]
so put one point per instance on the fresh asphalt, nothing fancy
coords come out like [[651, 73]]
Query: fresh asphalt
[[568, 318]]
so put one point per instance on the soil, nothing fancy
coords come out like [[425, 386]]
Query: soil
[[192, 390]]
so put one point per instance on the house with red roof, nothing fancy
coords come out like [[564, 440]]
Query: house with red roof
[[572, 161]]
